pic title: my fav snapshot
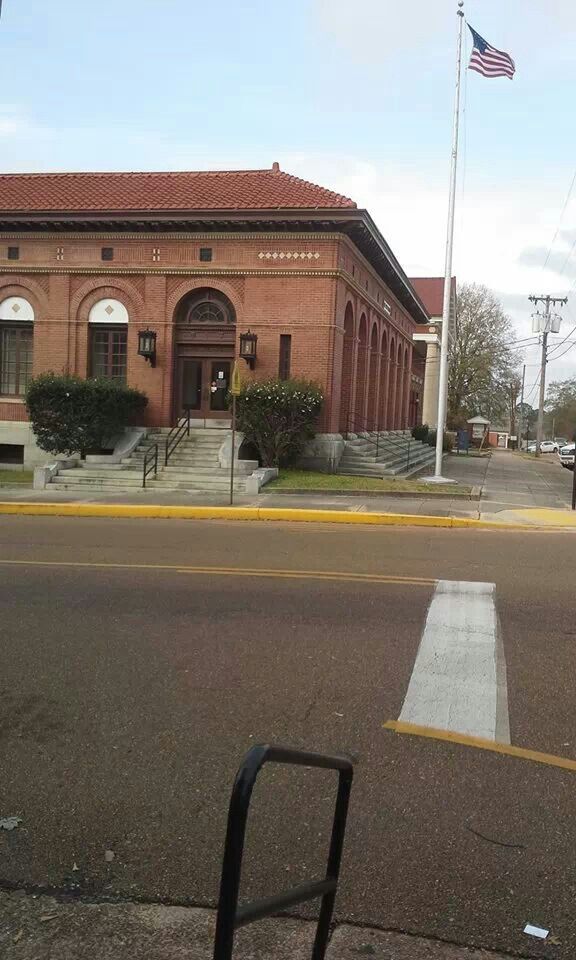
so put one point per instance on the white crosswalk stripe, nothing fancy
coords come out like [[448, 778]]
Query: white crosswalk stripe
[[459, 678]]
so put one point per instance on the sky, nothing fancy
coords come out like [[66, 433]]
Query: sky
[[354, 96]]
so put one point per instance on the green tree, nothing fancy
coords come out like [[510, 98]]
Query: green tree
[[482, 361], [528, 416], [560, 407]]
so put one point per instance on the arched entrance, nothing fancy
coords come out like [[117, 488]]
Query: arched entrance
[[205, 334]]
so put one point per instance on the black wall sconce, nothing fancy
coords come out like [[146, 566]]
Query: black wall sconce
[[147, 346], [248, 343]]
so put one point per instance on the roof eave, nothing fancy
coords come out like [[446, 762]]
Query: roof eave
[[354, 222]]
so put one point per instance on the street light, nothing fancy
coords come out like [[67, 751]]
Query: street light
[[147, 346], [248, 342]]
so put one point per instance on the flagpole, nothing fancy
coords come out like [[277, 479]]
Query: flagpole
[[443, 383]]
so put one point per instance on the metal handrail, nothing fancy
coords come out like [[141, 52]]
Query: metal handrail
[[352, 419], [230, 916], [150, 464], [175, 436]]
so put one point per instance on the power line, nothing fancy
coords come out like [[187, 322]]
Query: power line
[[562, 342], [533, 390], [555, 237], [567, 350]]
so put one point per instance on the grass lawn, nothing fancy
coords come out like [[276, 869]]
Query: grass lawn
[[15, 478], [310, 480]]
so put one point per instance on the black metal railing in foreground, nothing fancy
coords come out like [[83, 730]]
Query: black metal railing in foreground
[[230, 916], [150, 464], [176, 434]]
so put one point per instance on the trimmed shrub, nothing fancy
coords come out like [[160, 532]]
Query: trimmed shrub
[[447, 442], [278, 417], [421, 432], [70, 415]]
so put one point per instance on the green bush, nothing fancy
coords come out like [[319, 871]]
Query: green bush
[[421, 432], [447, 442], [278, 417], [69, 415]]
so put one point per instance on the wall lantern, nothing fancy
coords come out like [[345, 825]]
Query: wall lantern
[[248, 343], [147, 346]]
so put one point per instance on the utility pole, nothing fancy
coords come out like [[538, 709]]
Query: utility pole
[[514, 391], [521, 414], [544, 329]]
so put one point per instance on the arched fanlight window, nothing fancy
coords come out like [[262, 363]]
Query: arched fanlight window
[[108, 342], [205, 308], [16, 346]]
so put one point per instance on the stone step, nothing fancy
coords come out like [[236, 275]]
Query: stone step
[[239, 486], [393, 460], [193, 456], [97, 468], [201, 441], [397, 460], [87, 482], [204, 476]]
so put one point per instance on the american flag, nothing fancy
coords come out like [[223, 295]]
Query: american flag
[[488, 61]]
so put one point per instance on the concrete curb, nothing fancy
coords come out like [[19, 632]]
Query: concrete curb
[[376, 494], [151, 511]]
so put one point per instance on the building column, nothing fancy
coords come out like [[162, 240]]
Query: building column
[[373, 389], [431, 385], [392, 394], [361, 388], [384, 375], [407, 386], [348, 385]]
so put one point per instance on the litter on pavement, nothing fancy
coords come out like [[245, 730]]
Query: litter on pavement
[[9, 823], [536, 931]]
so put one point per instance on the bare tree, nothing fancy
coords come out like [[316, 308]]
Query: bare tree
[[560, 408], [482, 361]]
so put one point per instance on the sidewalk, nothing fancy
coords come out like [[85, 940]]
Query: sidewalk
[[41, 928], [514, 490]]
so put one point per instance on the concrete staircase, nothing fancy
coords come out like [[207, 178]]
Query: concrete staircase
[[397, 455], [194, 466]]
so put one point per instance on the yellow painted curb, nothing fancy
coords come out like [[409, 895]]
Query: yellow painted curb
[[492, 746], [159, 511]]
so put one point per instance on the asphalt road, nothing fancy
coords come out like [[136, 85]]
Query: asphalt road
[[132, 684]]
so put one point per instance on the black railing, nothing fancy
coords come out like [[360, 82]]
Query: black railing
[[373, 434], [176, 434], [150, 464], [230, 916]]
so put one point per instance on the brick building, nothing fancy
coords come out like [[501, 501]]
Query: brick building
[[89, 260]]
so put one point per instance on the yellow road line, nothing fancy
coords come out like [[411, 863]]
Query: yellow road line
[[311, 575], [448, 736], [230, 571]]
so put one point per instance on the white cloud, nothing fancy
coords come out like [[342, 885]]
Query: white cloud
[[12, 121]]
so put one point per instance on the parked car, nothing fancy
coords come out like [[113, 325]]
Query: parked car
[[561, 441], [547, 446], [567, 456]]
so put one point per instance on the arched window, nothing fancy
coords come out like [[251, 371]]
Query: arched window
[[108, 320], [205, 308], [16, 346]]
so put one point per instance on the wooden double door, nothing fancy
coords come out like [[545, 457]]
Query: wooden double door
[[202, 385]]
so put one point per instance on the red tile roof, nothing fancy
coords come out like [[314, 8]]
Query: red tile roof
[[431, 292], [182, 191]]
